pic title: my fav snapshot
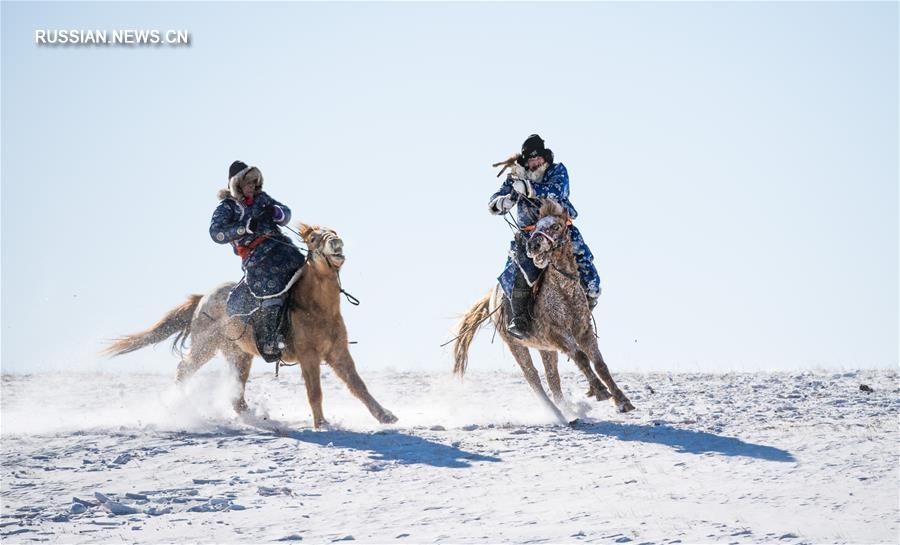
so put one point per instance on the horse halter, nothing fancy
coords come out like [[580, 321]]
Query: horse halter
[[535, 231], [327, 237], [545, 235]]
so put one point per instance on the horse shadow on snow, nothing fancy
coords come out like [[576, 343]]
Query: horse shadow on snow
[[686, 441], [393, 446]]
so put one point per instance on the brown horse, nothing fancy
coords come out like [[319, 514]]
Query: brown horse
[[317, 332], [561, 318]]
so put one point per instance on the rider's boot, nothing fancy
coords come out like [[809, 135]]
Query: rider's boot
[[266, 328], [520, 323]]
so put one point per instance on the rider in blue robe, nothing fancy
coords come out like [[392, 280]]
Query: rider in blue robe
[[536, 176], [248, 219]]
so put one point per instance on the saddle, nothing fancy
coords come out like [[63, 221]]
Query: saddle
[[269, 318]]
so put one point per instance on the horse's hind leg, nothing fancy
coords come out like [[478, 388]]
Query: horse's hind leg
[[241, 361], [523, 358], [550, 359], [204, 343], [201, 351]]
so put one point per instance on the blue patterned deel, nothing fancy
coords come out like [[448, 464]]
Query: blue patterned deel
[[554, 185], [269, 259]]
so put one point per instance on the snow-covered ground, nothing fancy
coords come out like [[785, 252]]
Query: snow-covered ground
[[726, 458]]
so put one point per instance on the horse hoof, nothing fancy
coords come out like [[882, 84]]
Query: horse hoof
[[601, 395], [240, 407], [574, 423], [387, 418], [625, 406]]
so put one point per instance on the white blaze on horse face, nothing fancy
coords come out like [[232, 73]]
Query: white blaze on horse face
[[541, 242], [335, 246], [545, 222], [332, 247], [538, 249]]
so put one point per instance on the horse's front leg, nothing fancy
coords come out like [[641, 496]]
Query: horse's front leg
[[618, 397], [342, 364], [569, 346], [312, 379], [523, 358], [596, 388], [549, 358]]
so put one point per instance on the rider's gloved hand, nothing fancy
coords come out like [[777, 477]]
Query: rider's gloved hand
[[260, 209], [277, 214], [523, 187], [502, 204]]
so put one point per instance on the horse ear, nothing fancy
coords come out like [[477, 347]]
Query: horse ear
[[545, 208], [305, 230], [549, 207]]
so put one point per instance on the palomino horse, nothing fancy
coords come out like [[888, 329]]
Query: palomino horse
[[561, 318], [317, 332]]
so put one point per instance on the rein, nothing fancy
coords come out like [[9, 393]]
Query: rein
[[350, 299]]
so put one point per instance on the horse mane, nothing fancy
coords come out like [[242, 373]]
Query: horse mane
[[549, 207], [306, 230]]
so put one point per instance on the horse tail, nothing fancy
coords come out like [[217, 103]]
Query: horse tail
[[466, 329], [176, 321]]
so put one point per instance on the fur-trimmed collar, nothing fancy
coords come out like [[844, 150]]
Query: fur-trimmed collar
[[234, 184], [533, 176]]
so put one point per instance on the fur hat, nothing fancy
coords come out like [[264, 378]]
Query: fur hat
[[533, 146], [236, 168], [237, 173]]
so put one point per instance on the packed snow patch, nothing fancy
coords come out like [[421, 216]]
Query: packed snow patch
[[736, 457]]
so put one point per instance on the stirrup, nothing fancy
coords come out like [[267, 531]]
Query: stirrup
[[271, 349], [270, 357], [518, 327]]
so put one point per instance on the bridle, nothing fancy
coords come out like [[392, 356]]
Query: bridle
[[554, 241], [319, 251], [326, 238], [549, 237]]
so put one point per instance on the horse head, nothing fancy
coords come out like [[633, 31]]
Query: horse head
[[549, 234], [325, 246]]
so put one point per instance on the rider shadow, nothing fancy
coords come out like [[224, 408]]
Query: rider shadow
[[394, 446], [687, 441]]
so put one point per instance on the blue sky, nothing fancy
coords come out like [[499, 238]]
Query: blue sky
[[735, 166]]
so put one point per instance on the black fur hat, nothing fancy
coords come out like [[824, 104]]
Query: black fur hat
[[533, 146], [237, 173], [235, 168]]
